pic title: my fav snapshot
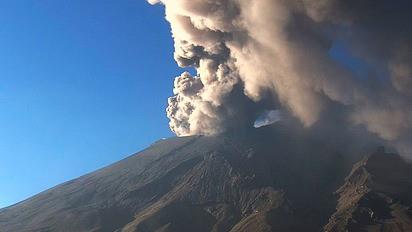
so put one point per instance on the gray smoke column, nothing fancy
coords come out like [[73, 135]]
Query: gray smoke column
[[248, 53]]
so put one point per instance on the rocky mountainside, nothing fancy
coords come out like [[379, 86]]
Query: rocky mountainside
[[376, 196], [263, 180]]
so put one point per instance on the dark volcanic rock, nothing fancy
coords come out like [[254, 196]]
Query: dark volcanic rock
[[377, 196], [262, 180]]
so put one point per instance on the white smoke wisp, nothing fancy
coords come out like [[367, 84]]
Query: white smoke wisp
[[278, 51], [268, 117]]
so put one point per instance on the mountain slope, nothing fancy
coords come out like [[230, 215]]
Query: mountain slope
[[377, 196], [260, 180]]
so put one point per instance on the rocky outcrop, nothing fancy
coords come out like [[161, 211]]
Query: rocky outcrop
[[376, 196]]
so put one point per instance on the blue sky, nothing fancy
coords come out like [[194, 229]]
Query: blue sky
[[83, 84]]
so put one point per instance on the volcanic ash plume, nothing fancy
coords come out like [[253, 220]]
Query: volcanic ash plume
[[251, 53]]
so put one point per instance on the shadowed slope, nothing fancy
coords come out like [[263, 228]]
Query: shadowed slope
[[257, 180]]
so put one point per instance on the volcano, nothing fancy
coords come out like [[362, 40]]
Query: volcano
[[266, 179]]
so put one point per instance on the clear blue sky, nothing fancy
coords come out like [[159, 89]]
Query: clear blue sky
[[83, 84]]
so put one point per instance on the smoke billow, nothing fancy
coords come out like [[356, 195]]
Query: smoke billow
[[251, 53]]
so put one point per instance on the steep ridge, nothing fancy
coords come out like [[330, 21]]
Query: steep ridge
[[377, 196]]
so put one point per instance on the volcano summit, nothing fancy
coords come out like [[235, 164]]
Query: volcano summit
[[263, 180]]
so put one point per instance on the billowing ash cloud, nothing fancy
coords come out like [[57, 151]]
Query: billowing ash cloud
[[251, 56]]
